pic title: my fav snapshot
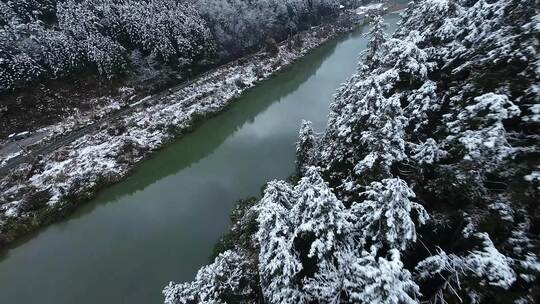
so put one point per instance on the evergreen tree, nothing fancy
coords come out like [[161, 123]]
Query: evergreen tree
[[279, 264], [227, 279], [385, 217], [363, 278], [305, 147], [376, 47], [460, 274], [319, 214]]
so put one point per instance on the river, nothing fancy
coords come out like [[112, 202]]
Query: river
[[161, 223]]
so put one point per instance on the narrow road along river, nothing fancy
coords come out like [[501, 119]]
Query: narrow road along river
[[162, 222]]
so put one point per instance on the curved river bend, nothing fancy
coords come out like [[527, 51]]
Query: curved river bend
[[162, 222]]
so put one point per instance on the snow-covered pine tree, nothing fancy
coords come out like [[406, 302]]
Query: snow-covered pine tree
[[358, 276], [458, 276], [107, 55], [16, 67], [305, 147], [376, 46], [385, 217], [227, 280], [279, 263], [478, 129], [172, 31], [384, 280], [366, 137], [319, 216], [353, 102]]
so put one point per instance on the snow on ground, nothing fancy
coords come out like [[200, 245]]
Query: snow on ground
[[363, 10]]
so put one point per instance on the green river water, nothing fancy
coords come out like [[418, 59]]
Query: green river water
[[161, 223]]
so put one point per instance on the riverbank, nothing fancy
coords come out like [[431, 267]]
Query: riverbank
[[55, 184]]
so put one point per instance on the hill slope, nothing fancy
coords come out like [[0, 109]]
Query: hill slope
[[424, 186]]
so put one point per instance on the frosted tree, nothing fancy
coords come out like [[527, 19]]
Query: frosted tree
[[376, 47], [327, 285], [78, 18], [407, 60], [107, 55], [357, 277], [100, 34], [489, 265], [534, 178], [27, 11], [449, 268], [387, 282], [386, 215], [383, 133], [279, 264], [365, 134], [55, 51], [422, 104], [460, 274], [367, 122], [427, 152], [227, 279], [168, 29], [452, 94], [17, 68], [479, 129], [305, 146], [319, 213], [439, 25], [529, 267]]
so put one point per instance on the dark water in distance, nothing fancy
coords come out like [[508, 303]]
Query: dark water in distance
[[162, 222]]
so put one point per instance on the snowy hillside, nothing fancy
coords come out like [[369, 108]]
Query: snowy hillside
[[424, 186], [48, 39]]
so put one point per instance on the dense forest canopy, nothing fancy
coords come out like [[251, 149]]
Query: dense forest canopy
[[41, 40], [423, 188]]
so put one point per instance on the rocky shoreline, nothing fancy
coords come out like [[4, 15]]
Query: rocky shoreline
[[52, 185]]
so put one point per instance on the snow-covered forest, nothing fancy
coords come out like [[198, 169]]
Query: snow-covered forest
[[425, 185], [46, 39]]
